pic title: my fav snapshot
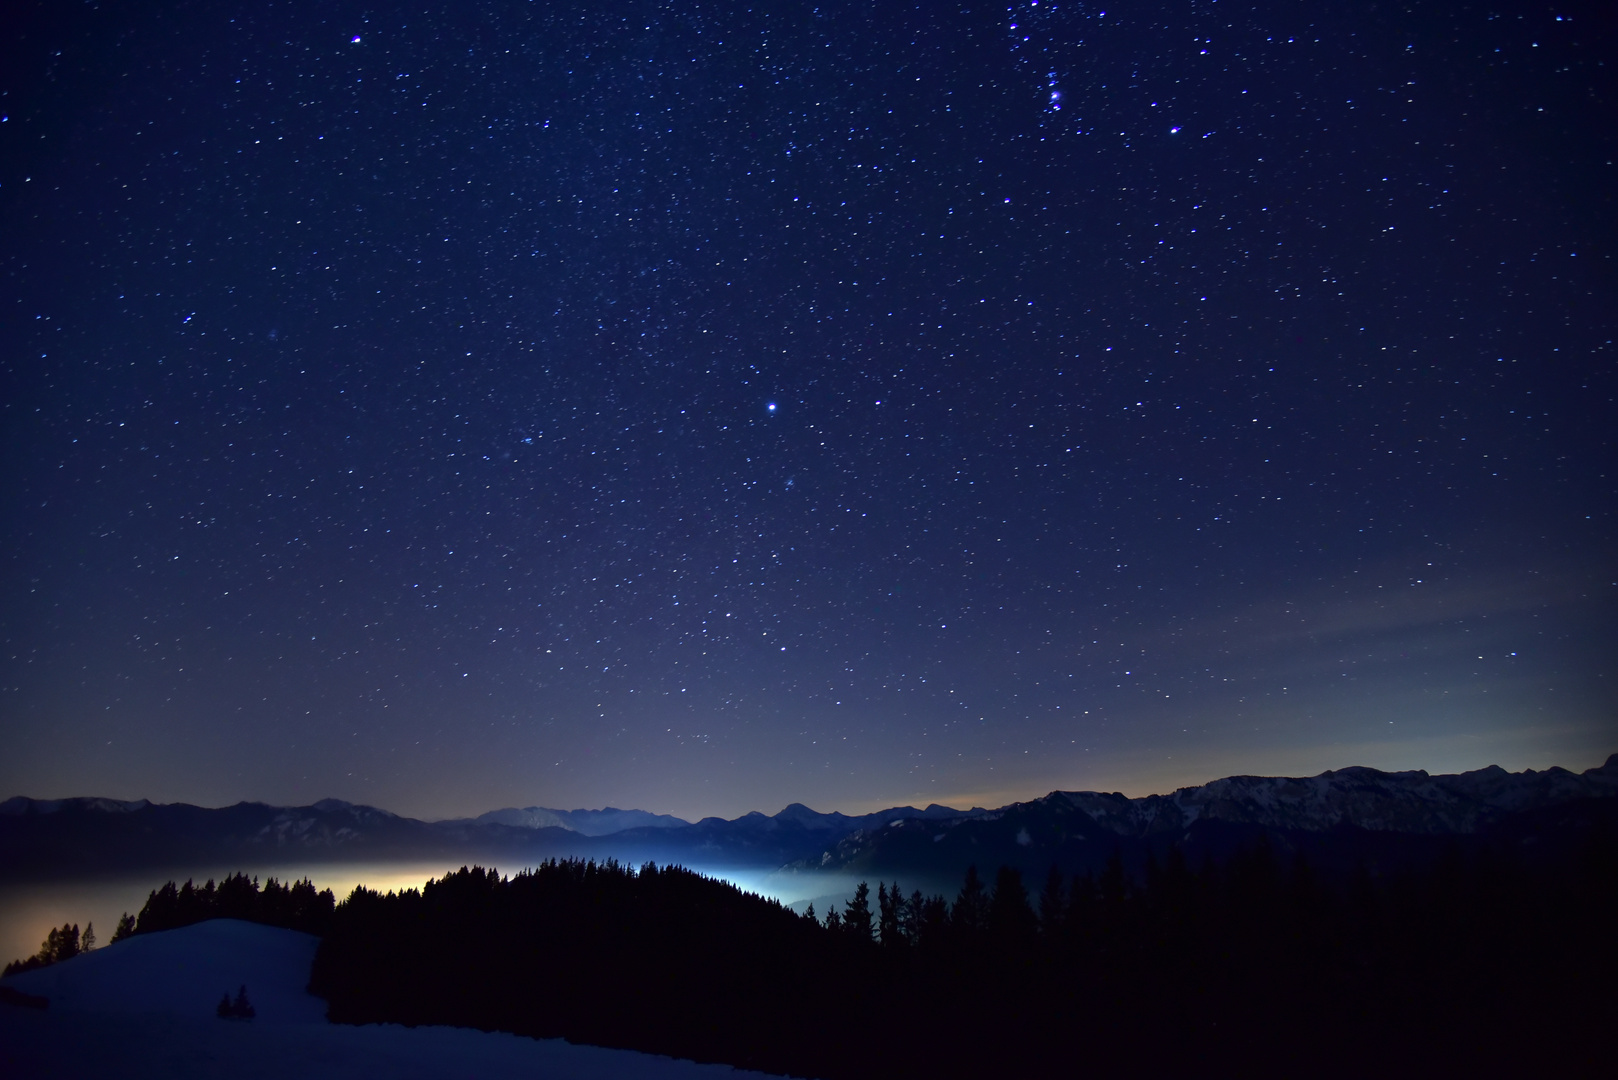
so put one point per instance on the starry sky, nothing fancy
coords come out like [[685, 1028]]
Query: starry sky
[[702, 406]]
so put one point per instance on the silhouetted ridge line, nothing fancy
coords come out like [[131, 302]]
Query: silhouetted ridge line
[[296, 905], [1077, 830]]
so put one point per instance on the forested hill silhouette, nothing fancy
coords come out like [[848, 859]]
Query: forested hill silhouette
[[1480, 964], [295, 905]]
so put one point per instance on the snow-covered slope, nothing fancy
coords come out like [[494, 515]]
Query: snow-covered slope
[[144, 1008], [183, 972]]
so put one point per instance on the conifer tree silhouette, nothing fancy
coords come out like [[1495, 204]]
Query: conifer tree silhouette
[[971, 910], [889, 905], [910, 918], [857, 913], [1010, 917], [1114, 884], [62, 943], [1052, 902]]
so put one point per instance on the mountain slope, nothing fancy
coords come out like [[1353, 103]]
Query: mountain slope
[[1410, 802], [585, 822], [43, 838], [1339, 819], [143, 1009]]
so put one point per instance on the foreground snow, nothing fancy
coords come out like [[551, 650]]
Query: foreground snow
[[145, 1008]]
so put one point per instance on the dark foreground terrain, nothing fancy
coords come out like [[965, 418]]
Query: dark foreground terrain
[[1495, 956], [1353, 922]]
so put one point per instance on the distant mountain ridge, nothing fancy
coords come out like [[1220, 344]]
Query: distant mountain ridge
[[585, 822], [611, 820], [1343, 817], [44, 837], [1409, 802]]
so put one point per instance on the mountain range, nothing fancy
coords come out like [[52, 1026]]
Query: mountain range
[[1339, 820], [1352, 815], [587, 822]]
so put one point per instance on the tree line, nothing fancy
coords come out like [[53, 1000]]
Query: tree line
[[60, 944], [1489, 959], [293, 905], [1475, 962]]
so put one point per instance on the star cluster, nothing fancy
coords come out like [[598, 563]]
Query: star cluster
[[704, 407]]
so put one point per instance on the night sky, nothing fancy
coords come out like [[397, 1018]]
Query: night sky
[[706, 406]]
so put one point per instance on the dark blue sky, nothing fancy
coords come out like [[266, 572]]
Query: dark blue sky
[[698, 407]]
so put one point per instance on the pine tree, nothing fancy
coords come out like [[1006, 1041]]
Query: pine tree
[[61, 944], [1078, 923], [889, 905], [971, 910], [1010, 917], [237, 897], [161, 910], [87, 941], [125, 928], [1113, 884], [910, 918], [857, 913], [1052, 901], [932, 920]]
